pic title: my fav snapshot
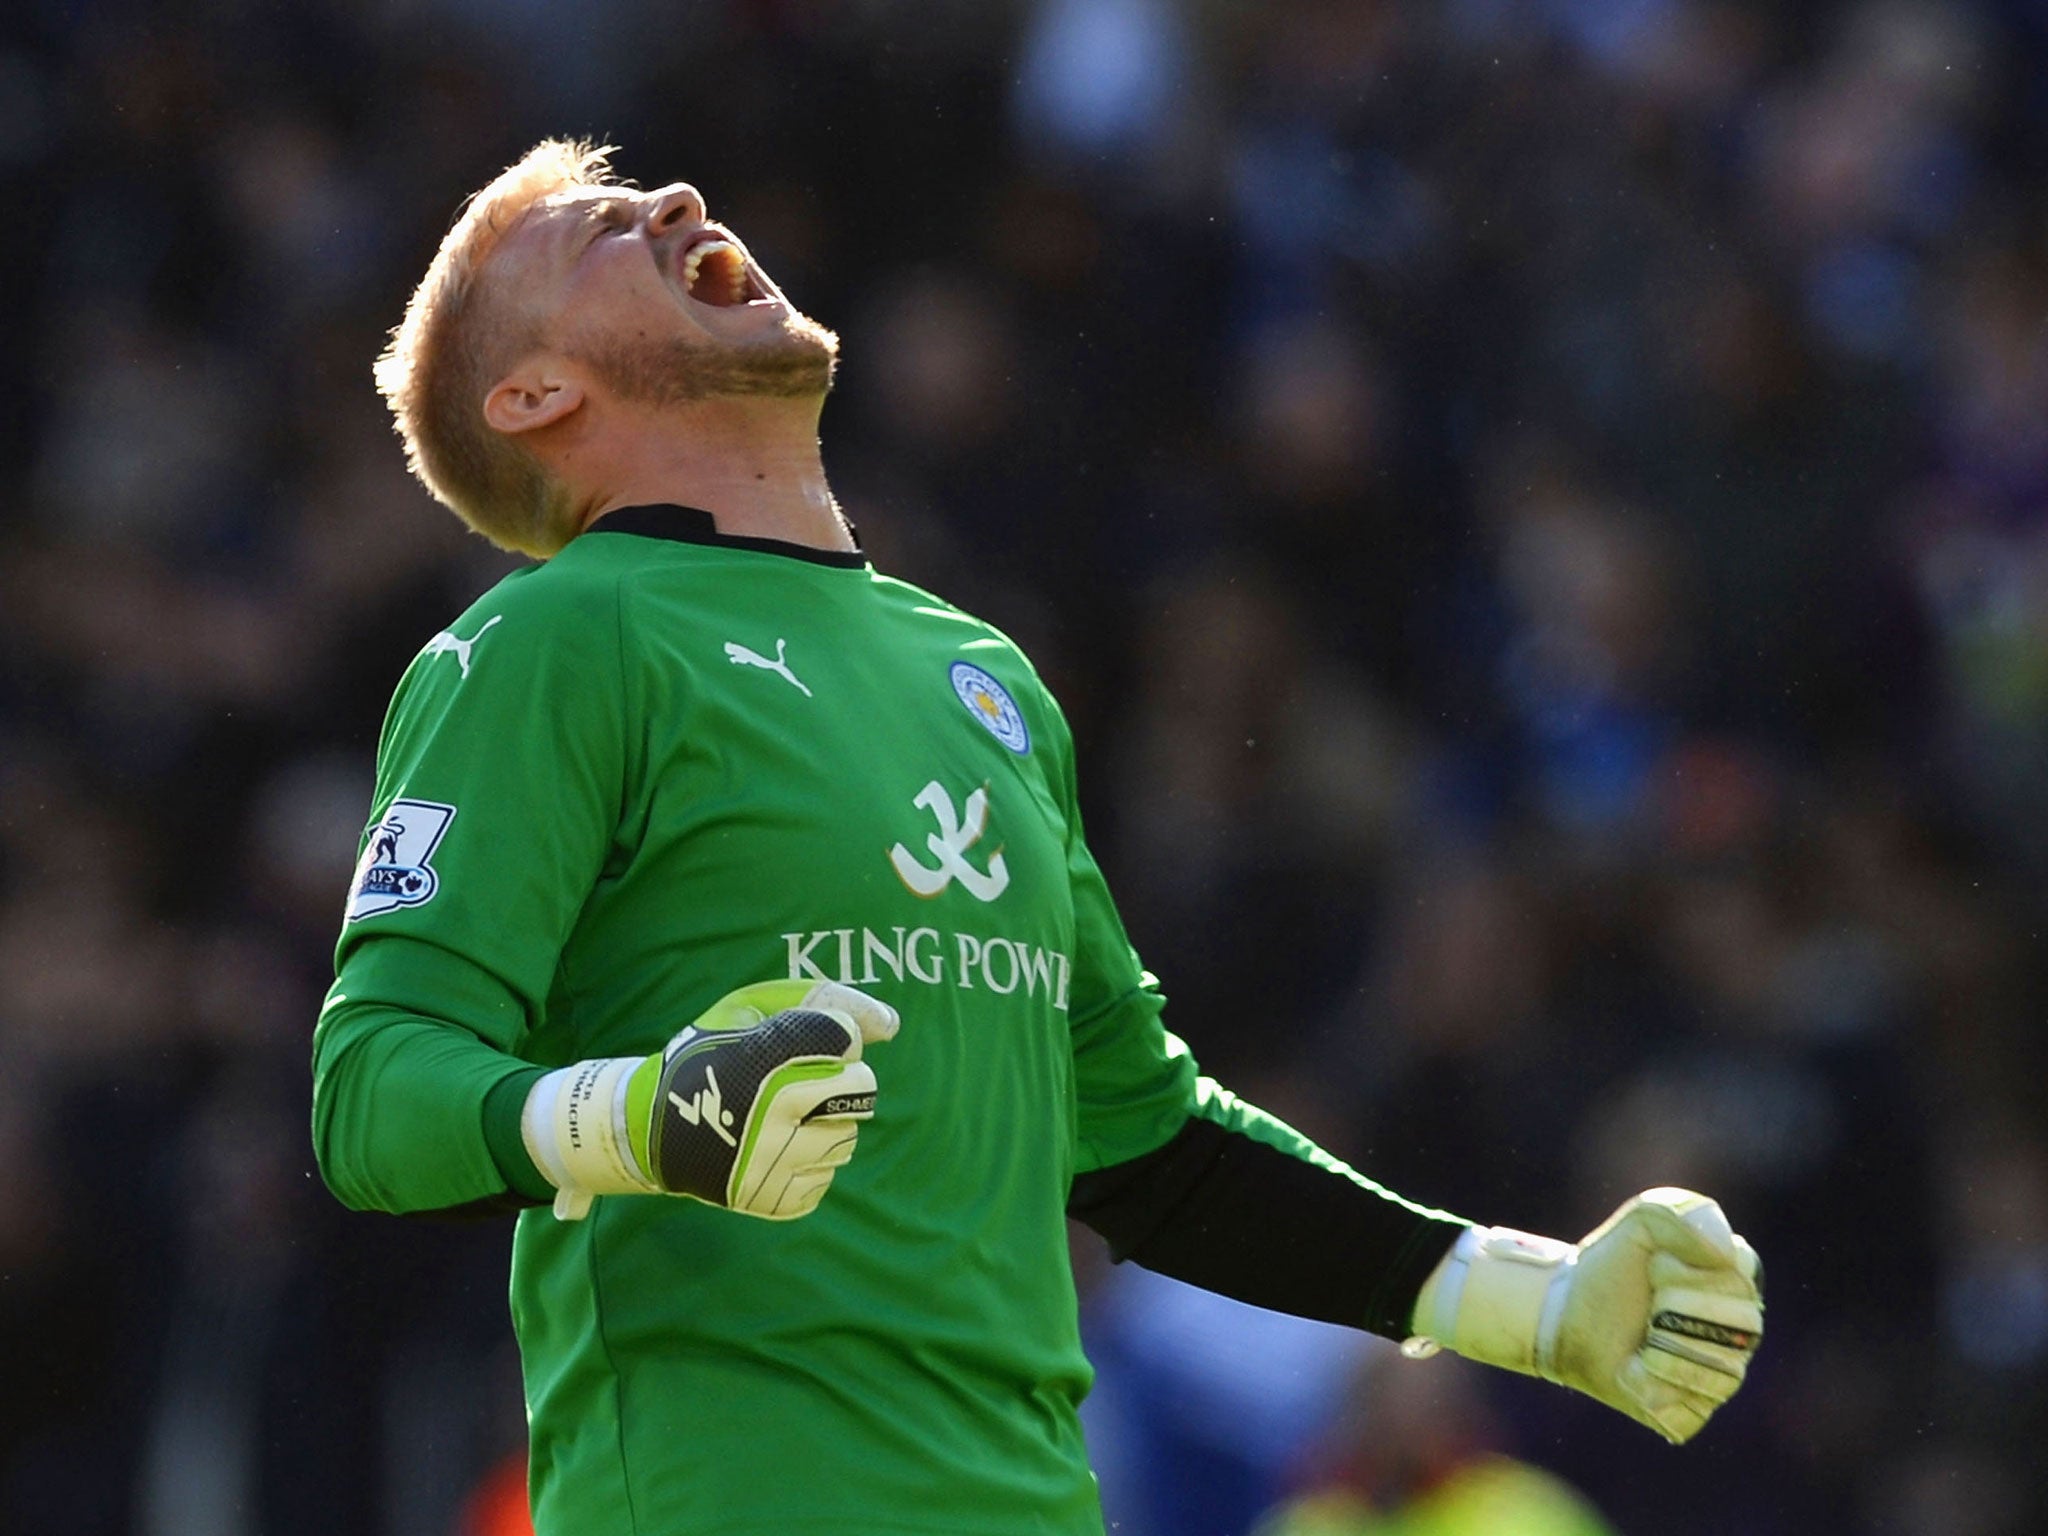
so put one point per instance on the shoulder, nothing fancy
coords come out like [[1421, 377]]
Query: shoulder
[[535, 624], [562, 602], [896, 592], [992, 672], [969, 632], [573, 587]]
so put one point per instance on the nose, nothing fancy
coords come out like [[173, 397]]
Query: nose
[[677, 203]]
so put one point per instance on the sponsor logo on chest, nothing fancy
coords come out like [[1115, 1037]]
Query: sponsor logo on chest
[[966, 962], [934, 956], [948, 847]]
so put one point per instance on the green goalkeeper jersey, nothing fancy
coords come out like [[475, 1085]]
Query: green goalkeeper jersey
[[660, 766]]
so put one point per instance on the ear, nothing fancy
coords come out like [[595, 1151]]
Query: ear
[[533, 395]]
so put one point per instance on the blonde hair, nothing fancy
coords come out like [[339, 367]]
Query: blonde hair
[[458, 338]]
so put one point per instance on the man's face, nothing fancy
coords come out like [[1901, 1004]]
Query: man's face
[[662, 305]]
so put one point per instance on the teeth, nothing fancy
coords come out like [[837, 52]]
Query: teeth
[[696, 257]]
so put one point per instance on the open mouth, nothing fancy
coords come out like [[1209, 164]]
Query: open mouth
[[715, 273]]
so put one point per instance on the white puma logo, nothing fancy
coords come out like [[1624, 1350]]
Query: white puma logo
[[447, 642], [740, 656], [707, 1108]]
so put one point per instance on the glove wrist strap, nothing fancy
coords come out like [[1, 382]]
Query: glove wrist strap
[[1498, 1297], [575, 1128]]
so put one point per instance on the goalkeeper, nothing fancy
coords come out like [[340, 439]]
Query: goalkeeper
[[725, 909]]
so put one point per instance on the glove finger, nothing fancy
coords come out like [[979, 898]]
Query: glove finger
[[1701, 1341], [1710, 1310], [1720, 1308], [823, 1147], [1633, 1391], [801, 1157], [848, 1094], [1679, 1420], [838, 1152], [872, 1019], [799, 1196], [1689, 1226], [840, 1097], [1692, 1371], [1749, 1262], [1672, 1410]]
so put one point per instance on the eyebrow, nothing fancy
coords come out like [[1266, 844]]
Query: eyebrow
[[571, 236], [580, 211]]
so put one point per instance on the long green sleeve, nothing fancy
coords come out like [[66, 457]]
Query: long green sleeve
[[498, 793]]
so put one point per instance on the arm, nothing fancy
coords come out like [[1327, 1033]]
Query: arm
[[1239, 1203], [1191, 1181], [417, 1112], [500, 778], [501, 783], [1655, 1314]]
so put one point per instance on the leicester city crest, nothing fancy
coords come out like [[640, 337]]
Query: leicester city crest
[[990, 703], [396, 870]]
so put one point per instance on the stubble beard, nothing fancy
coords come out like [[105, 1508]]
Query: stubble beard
[[796, 360]]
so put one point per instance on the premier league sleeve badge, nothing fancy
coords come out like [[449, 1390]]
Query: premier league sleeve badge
[[396, 868]]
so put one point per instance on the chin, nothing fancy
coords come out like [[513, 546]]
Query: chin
[[812, 349], [794, 359]]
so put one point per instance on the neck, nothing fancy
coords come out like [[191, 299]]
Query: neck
[[752, 463]]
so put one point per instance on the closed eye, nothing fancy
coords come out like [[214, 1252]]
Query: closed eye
[[610, 218]]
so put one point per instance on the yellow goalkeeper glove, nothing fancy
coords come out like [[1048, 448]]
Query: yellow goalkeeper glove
[[1656, 1313], [754, 1106]]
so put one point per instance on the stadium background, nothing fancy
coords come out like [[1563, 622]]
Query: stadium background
[[1538, 510]]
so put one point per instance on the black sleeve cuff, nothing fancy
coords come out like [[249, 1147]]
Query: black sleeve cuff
[[1217, 1209], [490, 1208], [503, 1106]]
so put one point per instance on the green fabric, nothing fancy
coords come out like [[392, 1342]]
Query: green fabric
[[503, 1107], [383, 1062], [643, 820]]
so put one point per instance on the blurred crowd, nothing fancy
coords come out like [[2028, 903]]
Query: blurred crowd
[[1538, 511]]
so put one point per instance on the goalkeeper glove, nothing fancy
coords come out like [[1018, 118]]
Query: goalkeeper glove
[[753, 1107], [1656, 1313]]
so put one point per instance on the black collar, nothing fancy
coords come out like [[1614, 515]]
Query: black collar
[[693, 525]]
